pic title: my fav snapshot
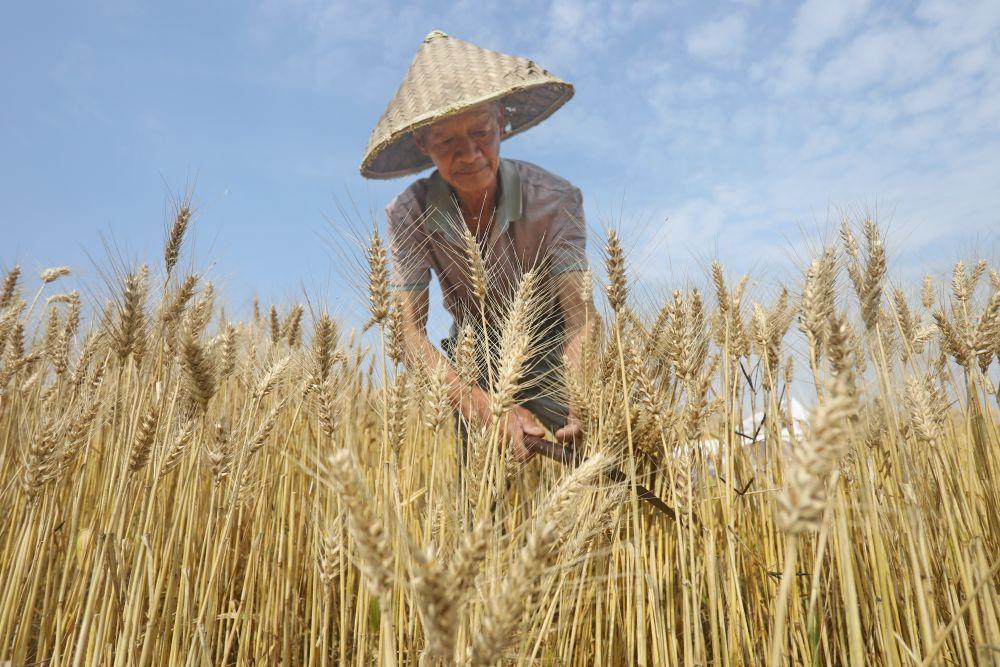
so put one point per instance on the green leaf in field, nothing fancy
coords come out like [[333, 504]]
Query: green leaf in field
[[374, 615]]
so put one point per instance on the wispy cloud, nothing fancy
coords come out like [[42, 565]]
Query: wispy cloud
[[720, 40], [889, 57], [742, 124], [854, 105], [571, 32], [818, 22]]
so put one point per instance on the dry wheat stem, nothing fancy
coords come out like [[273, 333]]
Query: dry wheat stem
[[172, 498]]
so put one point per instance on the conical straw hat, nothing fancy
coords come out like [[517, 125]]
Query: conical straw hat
[[449, 76]]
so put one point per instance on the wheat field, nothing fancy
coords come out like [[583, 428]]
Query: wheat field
[[179, 488]]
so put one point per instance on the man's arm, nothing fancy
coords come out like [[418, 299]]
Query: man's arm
[[577, 312], [411, 276], [471, 401], [569, 259]]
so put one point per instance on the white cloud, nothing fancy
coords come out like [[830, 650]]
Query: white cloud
[[859, 105], [888, 48], [695, 89], [976, 59], [330, 41], [579, 127], [719, 40], [576, 29], [889, 57], [818, 22], [785, 75], [978, 113], [958, 23], [571, 16], [936, 94], [867, 112]]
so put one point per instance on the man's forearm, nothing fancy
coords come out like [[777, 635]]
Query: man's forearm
[[572, 346], [470, 400]]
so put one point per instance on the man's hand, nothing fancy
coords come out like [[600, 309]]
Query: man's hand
[[514, 425], [572, 432]]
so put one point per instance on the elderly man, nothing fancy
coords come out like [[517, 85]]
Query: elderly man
[[454, 107]]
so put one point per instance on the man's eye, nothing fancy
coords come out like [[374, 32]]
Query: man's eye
[[480, 134]]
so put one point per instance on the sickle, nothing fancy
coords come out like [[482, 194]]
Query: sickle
[[568, 456]]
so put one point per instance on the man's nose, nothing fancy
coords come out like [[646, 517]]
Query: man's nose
[[466, 148]]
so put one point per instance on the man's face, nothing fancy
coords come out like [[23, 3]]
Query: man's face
[[465, 148]]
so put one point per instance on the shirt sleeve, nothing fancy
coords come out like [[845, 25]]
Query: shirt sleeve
[[568, 242], [408, 245]]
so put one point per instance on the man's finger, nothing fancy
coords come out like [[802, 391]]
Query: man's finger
[[569, 433], [533, 429], [521, 451]]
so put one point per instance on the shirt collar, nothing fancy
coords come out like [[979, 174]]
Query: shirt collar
[[443, 215]]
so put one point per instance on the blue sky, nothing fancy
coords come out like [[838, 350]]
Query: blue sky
[[731, 129]]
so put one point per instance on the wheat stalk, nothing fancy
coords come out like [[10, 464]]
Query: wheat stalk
[[516, 594], [368, 536]]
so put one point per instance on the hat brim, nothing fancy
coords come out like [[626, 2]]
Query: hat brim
[[524, 107]]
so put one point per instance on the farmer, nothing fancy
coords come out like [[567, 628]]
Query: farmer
[[456, 104]]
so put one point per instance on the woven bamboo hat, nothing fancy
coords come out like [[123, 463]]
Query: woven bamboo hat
[[449, 76]]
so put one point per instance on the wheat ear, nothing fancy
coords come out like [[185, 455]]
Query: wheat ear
[[617, 280], [515, 342], [368, 535], [175, 237], [505, 609]]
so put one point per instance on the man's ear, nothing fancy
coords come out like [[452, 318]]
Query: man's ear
[[418, 140]]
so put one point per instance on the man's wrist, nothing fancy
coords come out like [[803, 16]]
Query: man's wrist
[[480, 403], [474, 403]]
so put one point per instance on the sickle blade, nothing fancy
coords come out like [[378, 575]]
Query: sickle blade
[[570, 457]]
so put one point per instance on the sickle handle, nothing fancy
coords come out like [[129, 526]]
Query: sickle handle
[[564, 454], [568, 456]]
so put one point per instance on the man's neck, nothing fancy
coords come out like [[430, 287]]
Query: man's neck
[[478, 208]]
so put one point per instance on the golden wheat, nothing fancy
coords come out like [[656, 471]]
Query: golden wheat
[[186, 489]]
